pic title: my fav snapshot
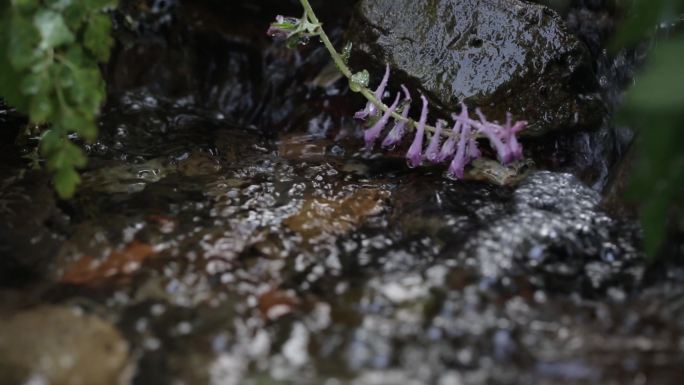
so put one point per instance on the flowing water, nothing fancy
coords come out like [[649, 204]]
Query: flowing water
[[228, 243]]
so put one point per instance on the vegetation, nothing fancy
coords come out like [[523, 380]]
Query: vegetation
[[655, 107], [49, 56]]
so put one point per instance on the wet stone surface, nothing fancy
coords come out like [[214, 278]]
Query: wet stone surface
[[500, 55]]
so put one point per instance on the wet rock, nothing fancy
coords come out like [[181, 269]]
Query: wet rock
[[217, 55], [11, 122], [618, 184], [61, 346], [554, 227], [503, 55], [124, 178], [198, 164], [28, 213]]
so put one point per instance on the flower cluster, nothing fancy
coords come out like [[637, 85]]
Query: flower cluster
[[460, 144]]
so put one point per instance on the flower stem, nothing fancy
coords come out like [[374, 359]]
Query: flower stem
[[342, 66], [337, 58]]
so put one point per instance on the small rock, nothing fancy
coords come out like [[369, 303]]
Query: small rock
[[199, 164], [61, 346]]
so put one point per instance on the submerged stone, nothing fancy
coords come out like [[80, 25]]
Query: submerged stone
[[60, 345], [501, 55]]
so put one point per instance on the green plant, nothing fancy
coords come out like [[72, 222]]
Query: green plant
[[655, 107], [50, 51]]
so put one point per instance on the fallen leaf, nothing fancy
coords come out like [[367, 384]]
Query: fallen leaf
[[165, 224], [277, 303], [320, 216], [88, 271]]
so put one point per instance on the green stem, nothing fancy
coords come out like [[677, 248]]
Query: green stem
[[342, 66], [337, 58]]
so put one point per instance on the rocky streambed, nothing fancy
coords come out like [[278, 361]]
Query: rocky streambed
[[229, 229]]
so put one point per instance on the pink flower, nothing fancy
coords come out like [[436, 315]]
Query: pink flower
[[510, 136], [432, 152], [449, 146], [494, 133], [399, 129], [372, 134], [461, 146], [415, 152], [462, 157], [371, 109]]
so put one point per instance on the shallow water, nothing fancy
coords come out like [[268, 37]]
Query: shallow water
[[204, 250], [223, 257]]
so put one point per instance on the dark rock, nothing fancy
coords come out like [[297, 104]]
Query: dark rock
[[11, 122], [28, 221], [217, 55], [501, 55], [618, 185]]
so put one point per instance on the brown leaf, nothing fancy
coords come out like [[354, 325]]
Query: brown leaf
[[165, 224], [320, 216], [277, 303], [88, 271]]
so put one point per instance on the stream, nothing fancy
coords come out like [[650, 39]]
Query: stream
[[230, 230]]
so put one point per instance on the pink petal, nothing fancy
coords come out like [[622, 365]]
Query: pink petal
[[399, 129], [371, 109], [415, 152], [491, 131], [432, 152], [457, 166], [372, 134], [450, 145]]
